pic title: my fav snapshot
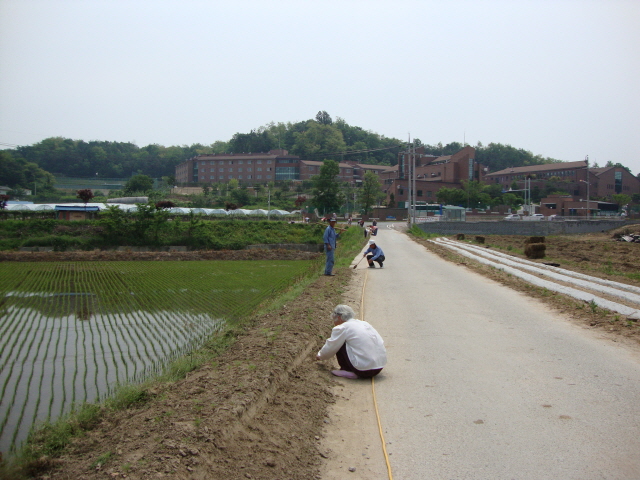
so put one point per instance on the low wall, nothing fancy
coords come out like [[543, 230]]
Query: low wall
[[542, 228]]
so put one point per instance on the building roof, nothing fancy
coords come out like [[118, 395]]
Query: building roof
[[74, 208], [540, 168], [242, 156], [314, 163], [366, 166]]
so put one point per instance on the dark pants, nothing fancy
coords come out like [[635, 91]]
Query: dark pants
[[380, 259], [345, 364]]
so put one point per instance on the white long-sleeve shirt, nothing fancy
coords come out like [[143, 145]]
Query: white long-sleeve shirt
[[365, 346]]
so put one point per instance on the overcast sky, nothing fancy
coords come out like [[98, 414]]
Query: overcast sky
[[560, 78]]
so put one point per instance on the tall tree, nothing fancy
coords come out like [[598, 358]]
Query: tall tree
[[621, 199], [326, 188], [318, 139], [370, 192], [138, 184], [323, 118]]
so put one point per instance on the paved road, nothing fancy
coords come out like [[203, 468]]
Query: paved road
[[485, 383]]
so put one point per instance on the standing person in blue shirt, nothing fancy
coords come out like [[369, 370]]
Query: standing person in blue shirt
[[329, 238], [375, 254]]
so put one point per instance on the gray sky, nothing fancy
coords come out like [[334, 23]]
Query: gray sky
[[557, 77]]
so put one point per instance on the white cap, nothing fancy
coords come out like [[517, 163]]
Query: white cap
[[372, 242]]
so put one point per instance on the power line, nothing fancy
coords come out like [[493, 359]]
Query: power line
[[355, 152]]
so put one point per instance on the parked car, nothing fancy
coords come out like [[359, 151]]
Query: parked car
[[537, 216], [513, 216]]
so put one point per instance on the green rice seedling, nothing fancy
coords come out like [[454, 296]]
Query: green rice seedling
[[593, 306]]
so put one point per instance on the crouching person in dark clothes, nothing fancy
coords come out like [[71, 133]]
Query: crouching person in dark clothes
[[374, 254], [358, 347]]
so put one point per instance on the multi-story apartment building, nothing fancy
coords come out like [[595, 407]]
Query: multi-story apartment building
[[576, 178], [245, 167], [251, 168]]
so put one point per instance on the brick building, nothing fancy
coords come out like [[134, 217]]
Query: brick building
[[432, 174], [252, 168], [574, 177]]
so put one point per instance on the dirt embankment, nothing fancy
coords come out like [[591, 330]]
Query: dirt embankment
[[120, 256]]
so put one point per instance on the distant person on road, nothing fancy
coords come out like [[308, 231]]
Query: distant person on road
[[374, 254], [358, 347], [329, 238]]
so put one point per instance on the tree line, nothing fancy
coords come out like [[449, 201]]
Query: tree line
[[318, 139]]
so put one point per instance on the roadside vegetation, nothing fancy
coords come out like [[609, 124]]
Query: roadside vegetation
[[153, 227], [50, 440]]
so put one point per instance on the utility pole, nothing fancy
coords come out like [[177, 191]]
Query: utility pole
[[588, 182], [413, 185], [408, 177]]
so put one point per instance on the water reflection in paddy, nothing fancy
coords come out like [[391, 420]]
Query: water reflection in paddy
[[62, 351]]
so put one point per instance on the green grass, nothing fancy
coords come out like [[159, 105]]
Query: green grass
[[417, 232]]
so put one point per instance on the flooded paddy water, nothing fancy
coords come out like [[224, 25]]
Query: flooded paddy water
[[70, 333]]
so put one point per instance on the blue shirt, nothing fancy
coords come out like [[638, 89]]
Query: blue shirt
[[330, 236], [375, 251]]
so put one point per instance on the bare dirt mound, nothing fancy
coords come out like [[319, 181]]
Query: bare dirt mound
[[119, 256]]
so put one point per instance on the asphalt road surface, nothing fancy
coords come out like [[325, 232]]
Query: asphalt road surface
[[484, 383]]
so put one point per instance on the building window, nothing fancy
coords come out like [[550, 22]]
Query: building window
[[239, 169], [259, 176], [259, 169], [419, 193], [259, 161], [221, 169], [248, 162], [239, 177], [240, 162]]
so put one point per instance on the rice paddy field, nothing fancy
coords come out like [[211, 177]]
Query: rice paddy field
[[71, 332]]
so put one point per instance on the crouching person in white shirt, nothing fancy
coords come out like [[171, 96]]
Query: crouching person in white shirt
[[358, 347]]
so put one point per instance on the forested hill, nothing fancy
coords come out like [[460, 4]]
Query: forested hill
[[314, 139]]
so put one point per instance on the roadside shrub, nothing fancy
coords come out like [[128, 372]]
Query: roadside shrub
[[460, 236], [479, 239], [61, 243]]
